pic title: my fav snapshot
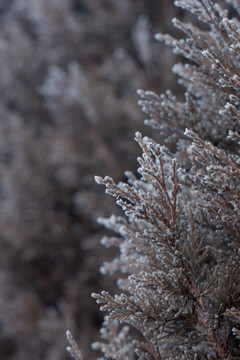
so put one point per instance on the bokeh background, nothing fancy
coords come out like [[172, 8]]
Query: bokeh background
[[69, 71]]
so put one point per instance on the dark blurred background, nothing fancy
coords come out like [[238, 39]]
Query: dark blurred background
[[69, 71]]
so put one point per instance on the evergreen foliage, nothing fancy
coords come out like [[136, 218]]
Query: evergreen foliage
[[179, 292]]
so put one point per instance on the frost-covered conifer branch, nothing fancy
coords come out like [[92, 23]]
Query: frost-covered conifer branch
[[179, 239], [166, 293], [218, 183], [121, 345], [211, 72], [73, 348]]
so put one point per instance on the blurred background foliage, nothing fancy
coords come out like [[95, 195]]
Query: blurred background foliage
[[69, 72]]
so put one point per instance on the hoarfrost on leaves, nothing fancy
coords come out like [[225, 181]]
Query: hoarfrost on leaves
[[178, 238]]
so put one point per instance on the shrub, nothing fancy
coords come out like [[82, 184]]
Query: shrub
[[179, 265]]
